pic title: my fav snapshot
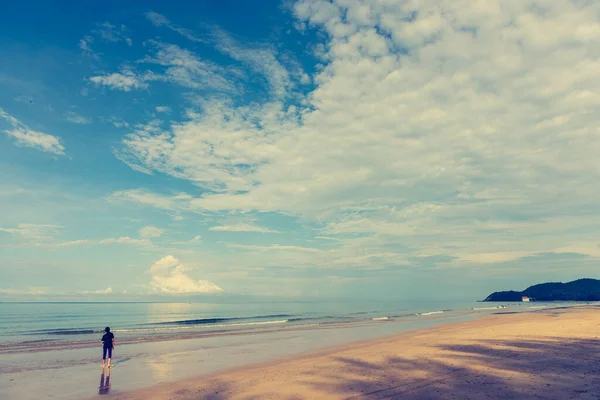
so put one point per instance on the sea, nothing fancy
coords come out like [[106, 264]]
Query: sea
[[52, 350], [27, 325]]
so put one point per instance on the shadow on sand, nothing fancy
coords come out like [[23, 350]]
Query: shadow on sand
[[544, 368], [104, 387]]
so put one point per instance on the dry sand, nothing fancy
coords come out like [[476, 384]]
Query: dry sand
[[552, 354]]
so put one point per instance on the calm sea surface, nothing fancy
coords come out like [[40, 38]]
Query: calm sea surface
[[72, 322]]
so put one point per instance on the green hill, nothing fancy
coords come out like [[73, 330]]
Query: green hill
[[579, 290]]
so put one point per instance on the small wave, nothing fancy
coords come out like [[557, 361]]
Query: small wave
[[70, 332], [429, 313], [324, 318], [380, 318], [184, 327], [403, 315], [487, 308], [283, 321], [26, 342], [173, 325], [203, 321], [213, 321], [198, 326]]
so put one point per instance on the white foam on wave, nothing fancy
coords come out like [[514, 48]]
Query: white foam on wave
[[430, 313], [487, 308], [281, 321], [380, 318], [176, 328]]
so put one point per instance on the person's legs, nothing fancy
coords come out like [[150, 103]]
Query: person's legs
[[103, 356], [109, 355]]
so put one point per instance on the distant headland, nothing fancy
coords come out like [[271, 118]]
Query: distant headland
[[579, 290]]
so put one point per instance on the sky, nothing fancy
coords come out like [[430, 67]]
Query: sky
[[308, 149]]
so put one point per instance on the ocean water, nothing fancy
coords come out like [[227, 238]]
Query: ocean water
[[28, 325]]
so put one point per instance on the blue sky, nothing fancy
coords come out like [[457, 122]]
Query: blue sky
[[301, 149]]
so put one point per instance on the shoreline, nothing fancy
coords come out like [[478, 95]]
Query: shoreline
[[48, 345], [324, 371], [48, 341]]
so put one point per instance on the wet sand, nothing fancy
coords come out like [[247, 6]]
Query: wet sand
[[548, 354]]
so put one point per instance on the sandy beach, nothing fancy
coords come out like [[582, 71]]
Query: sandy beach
[[548, 354]]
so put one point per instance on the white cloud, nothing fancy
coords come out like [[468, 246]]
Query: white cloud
[[281, 71], [106, 32], [120, 81], [119, 123], [188, 70], [435, 128], [77, 119], [163, 109], [133, 166], [40, 291], [242, 228], [588, 247], [47, 236], [169, 276], [157, 19], [34, 231], [24, 136], [37, 140], [70, 243], [113, 33], [101, 291], [125, 240], [327, 238], [274, 247], [160, 20], [491, 258], [164, 202], [195, 240], [86, 48], [149, 232], [262, 60], [240, 146], [28, 291]]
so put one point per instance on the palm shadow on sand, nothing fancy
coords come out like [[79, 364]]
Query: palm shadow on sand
[[542, 368]]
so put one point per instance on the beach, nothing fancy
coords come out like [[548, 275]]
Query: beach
[[545, 354]]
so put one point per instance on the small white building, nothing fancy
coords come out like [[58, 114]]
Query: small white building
[[525, 299]]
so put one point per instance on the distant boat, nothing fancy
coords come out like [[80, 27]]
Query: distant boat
[[525, 299]]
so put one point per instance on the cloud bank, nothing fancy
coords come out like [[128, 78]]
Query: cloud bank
[[449, 127]]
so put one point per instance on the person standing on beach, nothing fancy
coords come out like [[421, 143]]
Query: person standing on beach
[[108, 341]]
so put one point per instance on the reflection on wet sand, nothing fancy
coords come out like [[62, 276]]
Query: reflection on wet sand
[[162, 368], [104, 382]]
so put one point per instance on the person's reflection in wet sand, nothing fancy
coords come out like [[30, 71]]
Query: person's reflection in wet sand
[[104, 383]]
